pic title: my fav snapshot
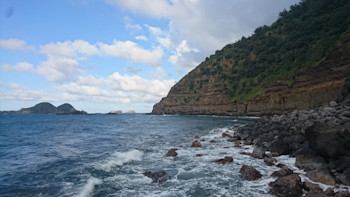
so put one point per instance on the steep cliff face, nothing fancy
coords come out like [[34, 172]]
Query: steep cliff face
[[278, 69], [312, 87]]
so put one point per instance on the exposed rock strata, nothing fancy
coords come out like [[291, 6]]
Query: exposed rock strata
[[312, 87]]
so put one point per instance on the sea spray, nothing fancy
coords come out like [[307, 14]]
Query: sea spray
[[119, 159], [89, 187]]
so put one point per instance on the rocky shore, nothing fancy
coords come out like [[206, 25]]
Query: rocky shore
[[319, 139]]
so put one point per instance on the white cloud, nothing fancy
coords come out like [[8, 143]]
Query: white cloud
[[144, 38], [206, 25], [15, 44], [183, 57], [118, 88], [131, 51], [20, 66]]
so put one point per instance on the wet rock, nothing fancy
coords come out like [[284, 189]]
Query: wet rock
[[270, 161], [237, 144], [333, 104], [212, 141], [226, 135], [157, 177], [249, 173], [224, 161], [284, 171], [316, 193], [196, 144], [245, 153], [308, 186], [322, 176], [328, 140], [196, 137], [287, 186], [171, 153], [199, 155]]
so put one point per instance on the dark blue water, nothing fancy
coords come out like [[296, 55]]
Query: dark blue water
[[106, 155]]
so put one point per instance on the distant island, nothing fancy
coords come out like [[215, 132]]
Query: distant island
[[47, 108]]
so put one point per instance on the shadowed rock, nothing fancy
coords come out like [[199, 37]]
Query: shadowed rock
[[157, 177], [224, 161], [171, 153], [249, 173], [287, 186]]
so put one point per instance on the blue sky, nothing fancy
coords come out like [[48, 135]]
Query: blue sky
[[103, 55]]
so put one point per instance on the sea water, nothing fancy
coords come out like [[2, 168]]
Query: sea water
[[106, 155]]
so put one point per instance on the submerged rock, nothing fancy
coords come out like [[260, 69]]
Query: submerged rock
[[196, 144], [157, 177], [171, 153], [270, 161], [287, 186], [224, 161], [249, 173]]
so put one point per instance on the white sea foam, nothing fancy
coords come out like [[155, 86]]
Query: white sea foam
[[119, 159], [89, 187]]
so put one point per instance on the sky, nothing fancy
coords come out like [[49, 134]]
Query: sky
[[104, 55]]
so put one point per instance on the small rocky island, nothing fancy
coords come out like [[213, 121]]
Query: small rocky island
[[47, 108]]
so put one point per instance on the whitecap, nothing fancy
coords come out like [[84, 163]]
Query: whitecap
[[119, 159], [89, 187]]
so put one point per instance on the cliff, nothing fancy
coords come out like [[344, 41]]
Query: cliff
[[289, 65]]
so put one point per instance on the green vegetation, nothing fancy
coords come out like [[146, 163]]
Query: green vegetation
[[300, 38]]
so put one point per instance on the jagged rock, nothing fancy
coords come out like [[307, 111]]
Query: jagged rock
[[226, 135], [212, 141], [314, 190], [333, 104], [157, 177], [171, 153], [249, 173], [328, 140], [284, 171], [287, 186], [322, 176], [224, 161], [196, 144], [280, 147]]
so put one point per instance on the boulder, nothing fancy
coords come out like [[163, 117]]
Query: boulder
[[282, 172], [226, 135], [270, 161], [196, 144], [322, 176], [342, 194], [224, 161], [157, 177], [249, 173], [287, 186], [314, 190], [328, 140], [280, 147], [171, 153], [258, 153]]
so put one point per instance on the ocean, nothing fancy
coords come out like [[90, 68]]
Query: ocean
[[106, 155]]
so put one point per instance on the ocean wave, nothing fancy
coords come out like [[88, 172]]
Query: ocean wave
[[89, 187], [119, 159]]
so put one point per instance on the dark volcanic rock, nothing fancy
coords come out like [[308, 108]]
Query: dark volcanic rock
[[171, 153], [287, 186], [342, 194], [258, 153], [157, 177], [328, 140], [249, 173], [282, 172], [345, 177], [224, 161], [196, 144], [280, 147]]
